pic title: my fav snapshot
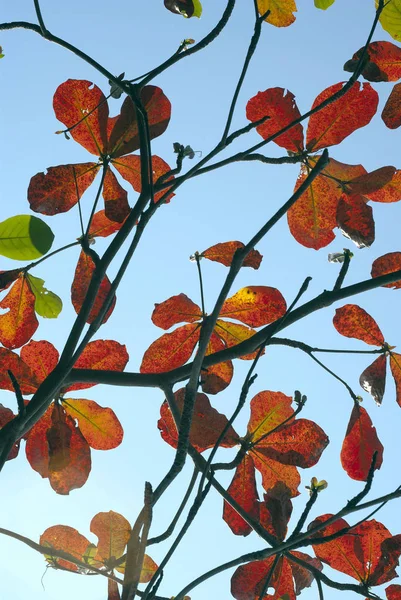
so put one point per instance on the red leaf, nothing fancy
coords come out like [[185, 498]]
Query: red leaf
[[373, 379], [113, 531], [129, 167], [355, 220], [18, 325], [242, 489], [80, 285], [207, 424], [255, 306], [395, 364], [67, 539], [7, 415], [101, 226], [393, 592], [342, 117], [41, 357], [26, 378], [8, 277], [280, 106], [115, 198], [391, 114], [384, 62], [60, 188], [216, 378], [369, 183], [124, 137], [233, 334], [101, 355], [224, 254], [360, 443], [171, 350], [176, 309], [274, 472], [390, 192], [268, 411], [388, 263], [354, 322], [275, 511], [75, 99], [99, 426]]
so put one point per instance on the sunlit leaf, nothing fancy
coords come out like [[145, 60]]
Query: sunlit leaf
[[171, 350], [41, 357], [242, 489], [149, 568], [391, 114], [224, 254], [129, 167], [233, 334], [359, 445], [113, 531], [355, 220], [388, 263], [99, 426], [255, 306], [115, 198], [18, 325], [101, 226], [373, 379], [47, 304], [281, 11], [7, 415], [393, 592], [352, 321], [176, 309], [23, 373], [369, 183], [67, 539], [276, 510], [390, 192], [390, 18], [324, 4], [216, 378], [384, 62], [25, 237], [395, 364], [80, 285]]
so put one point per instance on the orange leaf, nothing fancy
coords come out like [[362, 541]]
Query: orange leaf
[[373, 379], [75, 99], [279, 105], [255, 306], [7, 415], [276, 510], [342, 117], [233, 334], [280, 12], [355, 220], [18, 325], [171, 350], [274, 472], [371, 182], [242, 489], [113, 531], [354, 322], [129, 167], [268, 411], [395, 364], [115, 198], [207, 424], [67, 539], [224, 254], [99, 426], [384, 62], [388, 263], [176, 309], [80, 285], [100, 355], [124, 137], [359, 445], [216, 378], [393, 592], [112, 590], [60, 188], [390, 192], [149, 568], [391, 114], [26, 378], [41, 357], [101, 226]]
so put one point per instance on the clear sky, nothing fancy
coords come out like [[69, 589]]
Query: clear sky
[[231, 204]]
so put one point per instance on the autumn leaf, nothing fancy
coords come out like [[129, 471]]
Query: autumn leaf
[[129, 168], [23, 373], [176, 309], [354, 322], [391, 114], [113, 531], [383, 64], [388, 263], [390, 18], [355, 220], [41, 357], [7, 415], [67, 539], [101, 226], [281, 11], [233, 334], [275, 510], [243, 490], [80, 285], [395, 364], [390, 192], [99, 426], [373, 379], [171, 350], [216, 378], [368, 183], [224, 254], [359, 445], [393, 592], [18, 325], [255, 306], [115, 198]]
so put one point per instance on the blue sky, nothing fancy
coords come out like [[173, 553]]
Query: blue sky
[[229, 204]]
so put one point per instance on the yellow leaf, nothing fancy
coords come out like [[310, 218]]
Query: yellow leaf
[[390, 18], [280, 11]]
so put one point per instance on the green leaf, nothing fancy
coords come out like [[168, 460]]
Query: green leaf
[[25, 237], [390, 18], [47, 304], [323, 4], [197, 8]]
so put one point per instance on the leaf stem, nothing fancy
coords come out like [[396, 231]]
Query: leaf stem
[[198, 259]]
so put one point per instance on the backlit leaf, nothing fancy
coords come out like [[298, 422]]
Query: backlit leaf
[[390, 18], [99, 426], [6, 415], [255, 306], [373, 379], [77, 99], [359, 445], [276, 510], [216, 378], [8, 277], [176, 309], [171, 350], [25, 376], [41, 357], [129, 168], [115, 198], [393, 592], [149, 568], [47, 304], [324, 4], [25, 237], [268, 411], [67, 539], [395, 364], [101, 226], [355, 220], [391, 114], [342, 117], [242, 489], [388, 263], [369, 183], [233, 334], [113, 531], [279, 105], [18, 325], [60, 188], [281, 11], [80, 285], [224, 254], [384, 62], [390, 192], [274, 472], [207, 424], [354, 322], [186, 8]]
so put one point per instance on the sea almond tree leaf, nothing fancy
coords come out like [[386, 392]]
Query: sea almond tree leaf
[[23, 373], [391, 114], [224, 254], [324, 4], [274, 472], [216, 378], [129, 168], [390, 192], [177, 309], [280, 106], [255, 306], [25, 237], [171, 350], [149, 568], [373, 379], [101, 355], [354, 322], [67, 539], [124, 137], [371, 182], [268, 411], [99, 426], [81, 101], [281, 11], [355, 220], [243, 489], [342, 117], [395, 364], [207, 424], [393, 592], [360, 443], [233, 334], [388, 263], [80, 285], [8, 277], [115, 198], [18, 325], [113, 531], [41, 357], [384, 56], [60, 188], [390, 18], [47, 304], [276, 510], [101, 226], [186, 8], [6, 415]]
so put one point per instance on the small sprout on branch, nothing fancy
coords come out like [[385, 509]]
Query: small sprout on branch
[[299, 398], [185, 151], [195, 256], [115, 90], [339, 257], [316, 486], [2, 55]]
